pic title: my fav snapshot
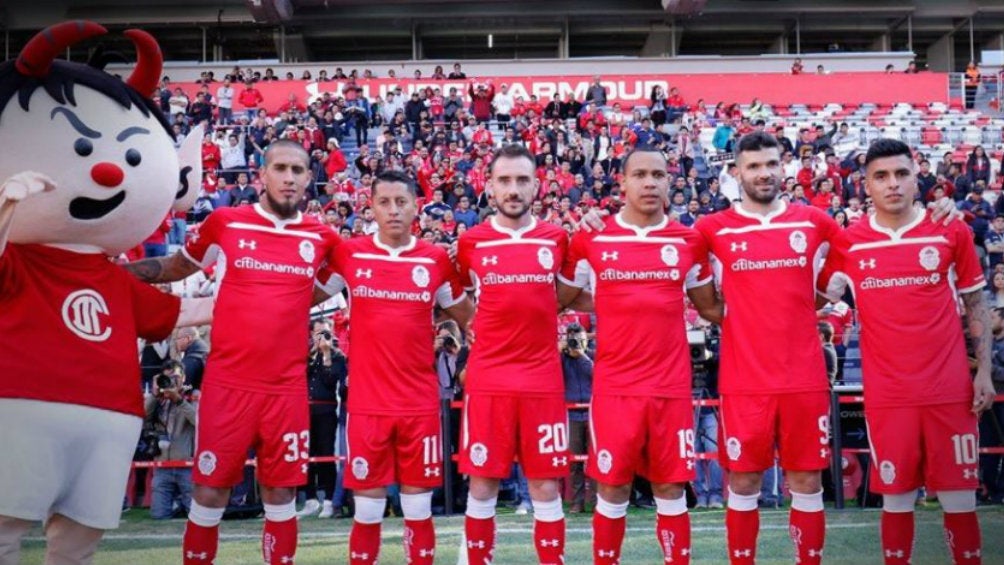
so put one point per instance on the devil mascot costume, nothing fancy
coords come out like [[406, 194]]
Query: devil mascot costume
[[88, 169]]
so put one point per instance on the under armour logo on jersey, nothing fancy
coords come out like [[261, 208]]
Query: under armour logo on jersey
[[738, 246], [869, 264], [970, 474], [690, 464], [426, 552], [364, 273], [815, 553], [602, 553], [742, 553], [200, 556], [362, 556], [898, 553], [480, 544], [972, 554], [612, 256], [490, 260], [824, 453], [559, 461], [431, 472], [247, 244]]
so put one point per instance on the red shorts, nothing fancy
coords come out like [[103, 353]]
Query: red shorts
[[797, 424], [498, 428], [383, 450], [653, 437], [232, 420], [914, 446]]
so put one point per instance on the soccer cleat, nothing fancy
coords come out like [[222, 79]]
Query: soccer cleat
[[310, 508], [327, 510]]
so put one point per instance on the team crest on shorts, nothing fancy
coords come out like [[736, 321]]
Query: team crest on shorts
[[546, 258], [604, 461], [887, 472], [360, 468], [479, 454], [207, 462], [670, 255], [733, 448], [930, 258], [420, 276], [307, 251], [797, 241]]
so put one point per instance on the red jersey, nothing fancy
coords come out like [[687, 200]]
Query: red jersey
[[905, 285], [516, 325], [393, 293], [638, 277], [767, 269], [266, 271], [69, 325]]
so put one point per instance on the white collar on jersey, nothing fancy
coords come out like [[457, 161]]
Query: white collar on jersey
[[394, 251], [638, 230], [278, 222], [897, 234], [762, 218], [515, 234]]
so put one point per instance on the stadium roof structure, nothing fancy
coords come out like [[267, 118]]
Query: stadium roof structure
[[942, 33]]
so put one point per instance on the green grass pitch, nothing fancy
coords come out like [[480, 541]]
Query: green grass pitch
[[852, 538]]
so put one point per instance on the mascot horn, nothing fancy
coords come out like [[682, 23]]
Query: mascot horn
[[88, 169]]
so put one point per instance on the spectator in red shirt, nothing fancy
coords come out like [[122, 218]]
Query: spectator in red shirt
[[336, 162], [796, 67], [807, 176], [210, 154], [481, 100], [824, 194], [250, 98]]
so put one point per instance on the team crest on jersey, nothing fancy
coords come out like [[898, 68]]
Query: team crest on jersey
[[479, 454], [930, 258], [887, 472], [207, 462], [733, 448], [604, 461], [546, 258], [420, 276], [307, 251], [83, 312], [670, 255], [797, 241], [360, 468]]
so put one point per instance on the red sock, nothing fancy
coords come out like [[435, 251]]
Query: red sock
[[742, 528], [364, 543], [808, 532], [897, 537], [608, 536], [278, 542], [480, 534], [549, 539], [198, 547], [673, 533], [962, 532], [420, 541]]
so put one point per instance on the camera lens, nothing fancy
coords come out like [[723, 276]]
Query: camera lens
[[326, 334]]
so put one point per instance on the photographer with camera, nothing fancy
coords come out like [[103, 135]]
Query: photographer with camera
[[577, 369], [327, 369], [451, 359], [170, 436]]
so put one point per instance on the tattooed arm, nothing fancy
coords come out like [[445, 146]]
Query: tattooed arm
[[162, 269], [978, 322]]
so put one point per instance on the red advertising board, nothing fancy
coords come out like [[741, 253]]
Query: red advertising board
[[633, 90]]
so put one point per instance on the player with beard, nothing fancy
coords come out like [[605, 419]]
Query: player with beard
[[254, 395], [772, 377], [514, 404]]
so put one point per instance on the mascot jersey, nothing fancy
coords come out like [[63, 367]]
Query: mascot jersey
[[88, 308]]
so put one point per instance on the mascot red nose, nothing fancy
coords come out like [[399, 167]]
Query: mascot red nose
[[88, 169]]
